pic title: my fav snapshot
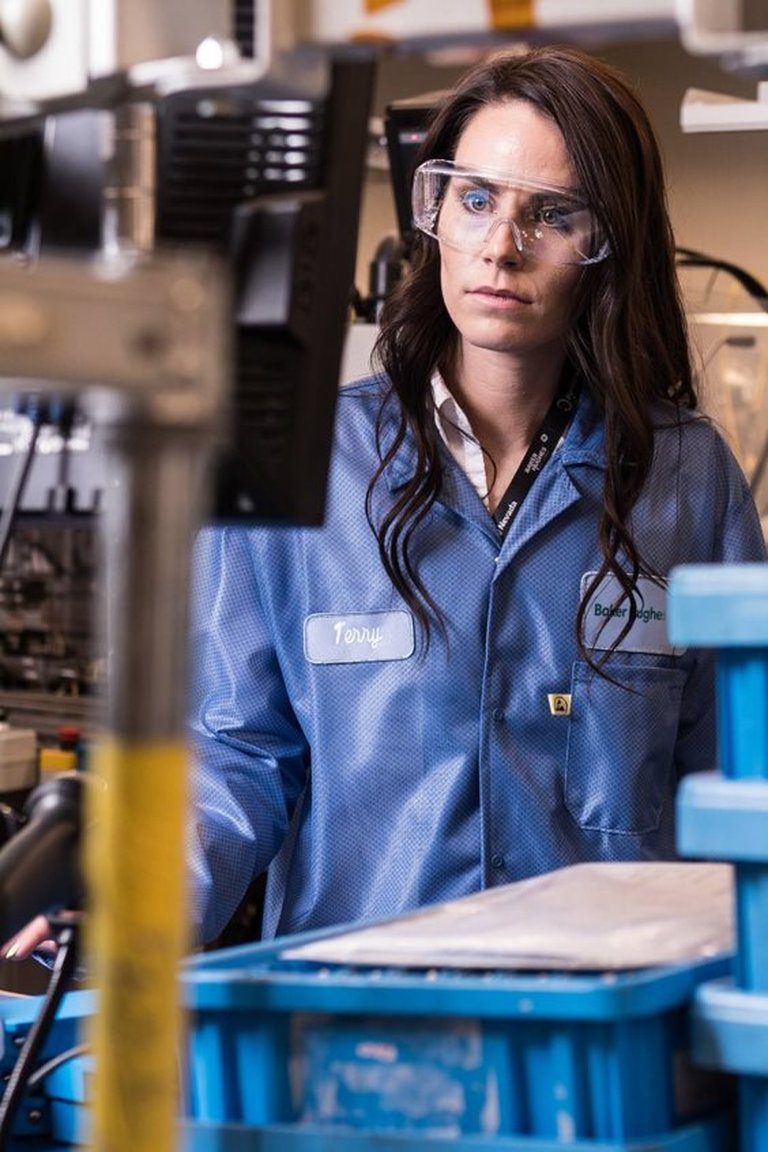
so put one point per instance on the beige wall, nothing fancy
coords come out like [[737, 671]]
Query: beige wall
[[718, 182]]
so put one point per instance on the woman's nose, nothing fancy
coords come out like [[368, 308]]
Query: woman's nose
[[504, 242]]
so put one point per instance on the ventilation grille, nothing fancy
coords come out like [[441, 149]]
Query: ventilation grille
[[244, 29], [217, 153]]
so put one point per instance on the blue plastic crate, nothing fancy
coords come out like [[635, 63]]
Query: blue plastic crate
[[33, 1128], [723, 818], [69, 1090], [713, 1136], [729, 1030], [493, 1060], [725, 606]]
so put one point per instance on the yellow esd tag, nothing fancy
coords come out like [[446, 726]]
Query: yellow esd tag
[[511, 13], [559, 703], [377, 5]]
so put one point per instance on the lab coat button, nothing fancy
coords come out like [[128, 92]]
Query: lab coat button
[[497, 860], [497, 714]]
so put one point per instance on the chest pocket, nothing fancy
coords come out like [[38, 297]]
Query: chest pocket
[[621, 743]]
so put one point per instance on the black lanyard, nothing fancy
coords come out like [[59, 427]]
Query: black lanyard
[[539, 451]]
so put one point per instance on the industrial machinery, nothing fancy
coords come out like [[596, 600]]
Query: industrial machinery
[[195, 348]]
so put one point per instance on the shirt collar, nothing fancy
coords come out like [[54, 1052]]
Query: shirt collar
[[456, 432], [584, 440]]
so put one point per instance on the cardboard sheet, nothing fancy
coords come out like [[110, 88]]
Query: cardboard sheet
[[583, 918]]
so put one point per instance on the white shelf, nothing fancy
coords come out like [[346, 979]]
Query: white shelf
[[703, 111]]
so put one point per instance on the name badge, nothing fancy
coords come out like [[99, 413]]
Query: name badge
[[605, 617], [358, 637]]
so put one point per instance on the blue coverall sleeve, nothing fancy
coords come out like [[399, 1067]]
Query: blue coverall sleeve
[[250, 757]]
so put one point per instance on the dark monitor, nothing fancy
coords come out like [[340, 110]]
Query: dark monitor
[[405, 125], [270, 174]]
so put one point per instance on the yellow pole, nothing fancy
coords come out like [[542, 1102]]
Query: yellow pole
[[135, 860], [137, 933]]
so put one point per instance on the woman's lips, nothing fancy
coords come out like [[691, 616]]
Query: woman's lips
[[499, 296]]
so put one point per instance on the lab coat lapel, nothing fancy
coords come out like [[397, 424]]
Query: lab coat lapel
[[575, 472]]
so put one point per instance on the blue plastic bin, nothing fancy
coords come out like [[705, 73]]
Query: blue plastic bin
[[725, 606], [722, 818], [33, 1128], [725, 816], [199, 1137], [340, 1057], [69, 1090], [727, 819], [729, 1029]]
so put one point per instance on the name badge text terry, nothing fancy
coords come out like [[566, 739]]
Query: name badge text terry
[[358, 637]]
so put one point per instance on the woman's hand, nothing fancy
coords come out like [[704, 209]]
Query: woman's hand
[[37, 936]]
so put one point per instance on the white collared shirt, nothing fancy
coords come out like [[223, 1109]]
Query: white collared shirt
[[456, 431]]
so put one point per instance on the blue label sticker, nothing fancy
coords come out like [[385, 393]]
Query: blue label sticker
[[358, 637]]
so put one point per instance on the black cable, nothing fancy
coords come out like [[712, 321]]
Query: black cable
[[690, 258], [44, 1070], [18, 1083]]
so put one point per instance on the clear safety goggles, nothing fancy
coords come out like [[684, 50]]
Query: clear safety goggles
[[463, 208]]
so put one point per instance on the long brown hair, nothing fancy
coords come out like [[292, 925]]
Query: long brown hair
[[628, 341]]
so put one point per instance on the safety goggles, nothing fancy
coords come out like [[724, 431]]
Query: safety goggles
[[464, 207]]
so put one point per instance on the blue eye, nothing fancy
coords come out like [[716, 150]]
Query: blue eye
[[476, 200]]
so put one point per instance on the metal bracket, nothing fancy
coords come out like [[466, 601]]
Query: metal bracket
[[155, 330]]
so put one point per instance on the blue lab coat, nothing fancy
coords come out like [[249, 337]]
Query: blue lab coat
[[373, 776]]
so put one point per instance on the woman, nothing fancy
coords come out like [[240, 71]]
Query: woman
[[463, 678]]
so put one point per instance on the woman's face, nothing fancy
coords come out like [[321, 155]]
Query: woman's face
[[500, 299]]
